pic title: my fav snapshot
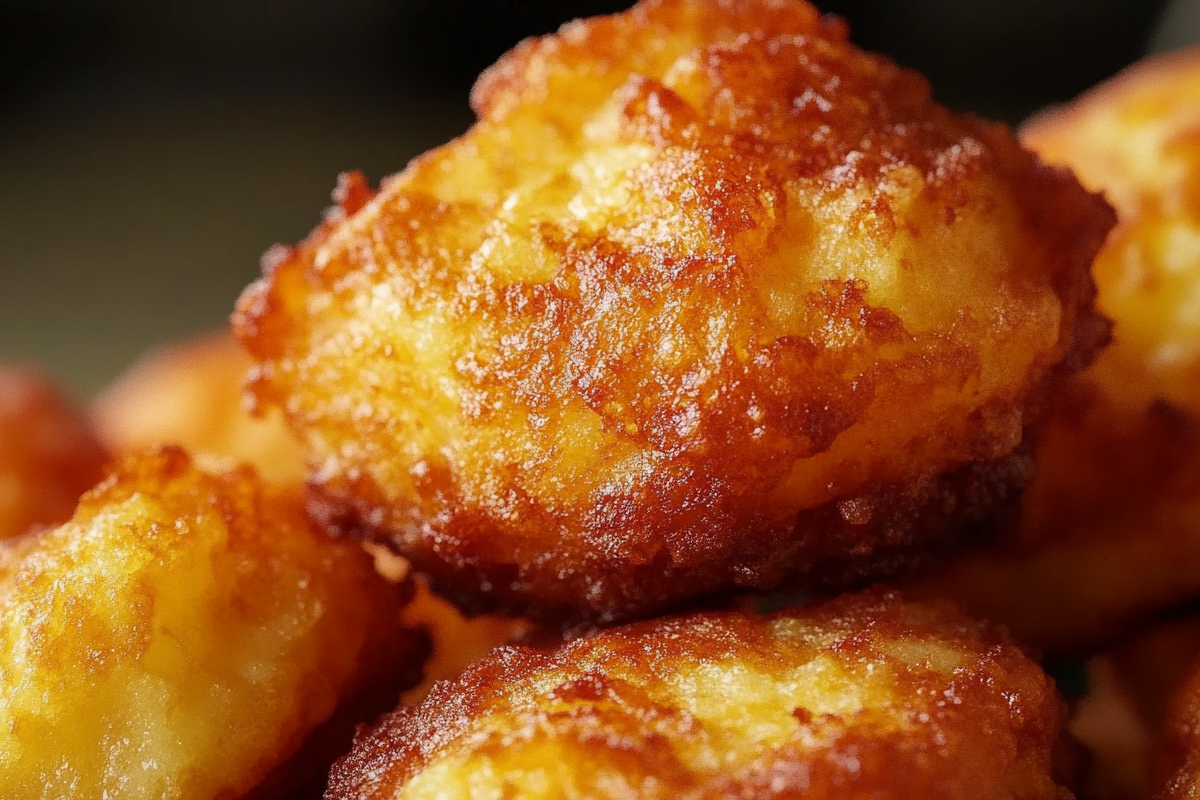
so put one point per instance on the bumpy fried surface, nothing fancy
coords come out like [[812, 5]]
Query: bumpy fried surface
[[861, 697], [190, 393], [707, 297], [1111, 524], [180, 637], [49, 455], [1178, 765]]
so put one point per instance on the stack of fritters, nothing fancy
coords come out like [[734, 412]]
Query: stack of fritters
[[708, 309]]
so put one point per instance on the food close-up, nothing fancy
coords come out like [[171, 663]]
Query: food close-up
[[719, 416]]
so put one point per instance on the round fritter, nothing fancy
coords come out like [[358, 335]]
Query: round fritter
[[190, 393], [181, 636], [1110, 528], [707, 297], [864, 696], [49, 455]]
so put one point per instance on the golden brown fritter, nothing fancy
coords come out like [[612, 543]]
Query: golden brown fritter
[[190, 393], [49, 455], [865, 696], [1110, 529], [181, 636], [707, 297]]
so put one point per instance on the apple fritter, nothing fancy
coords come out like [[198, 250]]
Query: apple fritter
[[707, 298], [49, 455], [182, 635], [1110, 528], [865, 696], [190, 393]]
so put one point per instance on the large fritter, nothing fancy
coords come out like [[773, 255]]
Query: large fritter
[[1110, 528], [180, 637], [49, 455], [862, 697], [190, 393], [707, 297]]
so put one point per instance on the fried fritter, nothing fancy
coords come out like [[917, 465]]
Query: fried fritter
[[707, 297], [190, 393], [1110, 529], [49, 455], [181, 636], [1178, 765], [865, 696]]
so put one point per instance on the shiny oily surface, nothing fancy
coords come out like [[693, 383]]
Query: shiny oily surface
[[865, 696], [1110, 527], [190, 393], [180, 637], [707, 297], [49, 455]]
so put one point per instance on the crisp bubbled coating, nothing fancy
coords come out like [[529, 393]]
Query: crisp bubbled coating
[[707, 297], [1110, 526], [180, 637], [190, 393], [49, 455], [865, 696]]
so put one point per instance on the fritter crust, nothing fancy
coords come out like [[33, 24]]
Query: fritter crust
[[49, 455], [181, 636], [1178, 763], [1110, 528], [865, 696], [707, 297], [190, 393]]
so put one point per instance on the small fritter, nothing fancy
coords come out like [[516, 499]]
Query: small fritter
[[181, 636], [190, 393], [865, 696], [1110, 529], [1121, 718], [707, 298], [49, 455]]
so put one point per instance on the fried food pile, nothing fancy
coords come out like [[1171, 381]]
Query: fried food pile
[[707, 298], [709, 309]]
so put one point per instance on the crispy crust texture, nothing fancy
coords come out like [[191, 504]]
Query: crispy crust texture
[[1178, 763], [864, 696], [181, 636], [707, 298], [1110, 526], [49, 455], [190, 393]]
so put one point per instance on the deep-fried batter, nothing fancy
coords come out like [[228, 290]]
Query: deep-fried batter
[[1110, 529], [49, 455], [1178, 765], [708, 297], [181, 636], [190, 393], [862, 697]]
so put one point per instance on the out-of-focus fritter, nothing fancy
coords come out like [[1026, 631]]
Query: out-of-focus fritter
[[862, 697], [1110, 528], [707, 297], [1122, 716], [49, 455], [181, 636], [190, 393]]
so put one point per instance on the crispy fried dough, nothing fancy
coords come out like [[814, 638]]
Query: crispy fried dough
[[49, 455], [1110, 529], [707, 297], [190, 393], [862, 697], [181, 636], [1177, 768]]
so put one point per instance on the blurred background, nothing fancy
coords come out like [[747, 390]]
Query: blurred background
[[150, 151]]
